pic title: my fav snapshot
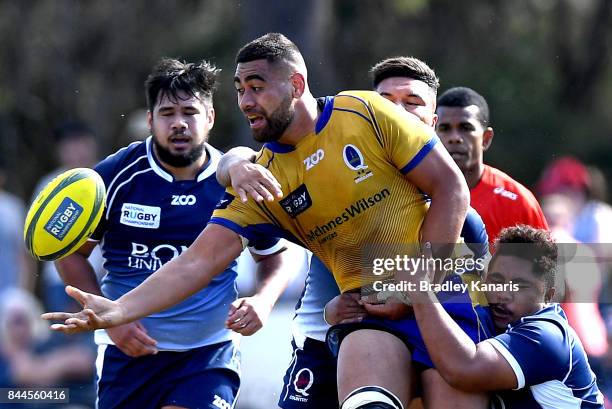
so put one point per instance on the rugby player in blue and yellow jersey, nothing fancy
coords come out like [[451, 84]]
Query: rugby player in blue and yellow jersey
[[354, 172], [161, 193], [310, 379]]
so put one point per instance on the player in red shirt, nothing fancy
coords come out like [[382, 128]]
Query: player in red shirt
[[463, 127]]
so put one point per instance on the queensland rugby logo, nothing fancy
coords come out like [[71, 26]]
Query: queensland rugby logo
[[354, 160], [353, 157], [303, 381]]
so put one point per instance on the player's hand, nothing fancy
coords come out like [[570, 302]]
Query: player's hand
[[345, 308], [98, 312], [424, 273], [247, 315], [132, 339], [252, 179], [392, 309]]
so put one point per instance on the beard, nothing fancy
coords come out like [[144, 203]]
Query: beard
[[276, 123], [178, 160]]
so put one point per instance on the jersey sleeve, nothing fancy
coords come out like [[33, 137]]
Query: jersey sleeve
[[474, 234], [537, 351], [250, 220], [264, 245], [106, 169], [403, 136]]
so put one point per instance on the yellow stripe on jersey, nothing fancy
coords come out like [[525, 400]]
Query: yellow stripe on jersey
[[347, 196]]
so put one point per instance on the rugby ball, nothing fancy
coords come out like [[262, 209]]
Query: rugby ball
[[64, 214]]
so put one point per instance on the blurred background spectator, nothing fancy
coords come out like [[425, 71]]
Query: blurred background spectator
[[136, 128], [16, 266], [590, 217], [30, 357], [572, 197]]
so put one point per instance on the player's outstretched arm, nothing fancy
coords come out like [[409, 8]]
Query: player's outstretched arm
[[237, 169], [98, 312], [439, 177], [76, 270], [463, 365], [208, 256]]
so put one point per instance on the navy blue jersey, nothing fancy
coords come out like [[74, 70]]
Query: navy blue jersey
[[549, 363], [149, 219]]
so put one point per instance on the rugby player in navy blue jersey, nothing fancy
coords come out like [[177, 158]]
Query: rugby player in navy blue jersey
[[161, 193], [536, 360]]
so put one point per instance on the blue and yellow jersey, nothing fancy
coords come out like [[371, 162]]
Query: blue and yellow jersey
[[345, 188]]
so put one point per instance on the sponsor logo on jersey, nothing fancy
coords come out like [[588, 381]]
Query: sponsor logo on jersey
[[297, 201], [63, 218], [221, 403], [183, 200], [144, 258], [354, 160], [505, 193], [313, 159], [325, 232], [137, 215]]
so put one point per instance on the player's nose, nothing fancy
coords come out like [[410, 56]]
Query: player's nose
[[453, 136], [246, 101], [178, 123]]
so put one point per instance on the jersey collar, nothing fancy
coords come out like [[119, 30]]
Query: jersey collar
[[326, 112], [214, 156], [208, 170]]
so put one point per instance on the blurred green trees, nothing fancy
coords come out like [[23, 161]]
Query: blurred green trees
[[543, 65]]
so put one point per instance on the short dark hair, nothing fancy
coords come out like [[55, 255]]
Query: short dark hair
[[534, 245], [72, 129], [464, 97], [408, 67], [171, 76], [273, 47]]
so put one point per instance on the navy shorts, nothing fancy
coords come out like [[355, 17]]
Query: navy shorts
[[204, 377], [310, 380], [474, 320]]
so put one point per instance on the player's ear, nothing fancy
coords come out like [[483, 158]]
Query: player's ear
[[298, 82], [150, 121], [210, 115], [487, 138], [434, 121]]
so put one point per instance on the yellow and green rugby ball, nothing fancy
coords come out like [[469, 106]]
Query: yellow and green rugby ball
[[64, 214]]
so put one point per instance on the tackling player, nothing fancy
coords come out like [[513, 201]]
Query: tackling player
[[382, 159], [160, 195], [536, 361]]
